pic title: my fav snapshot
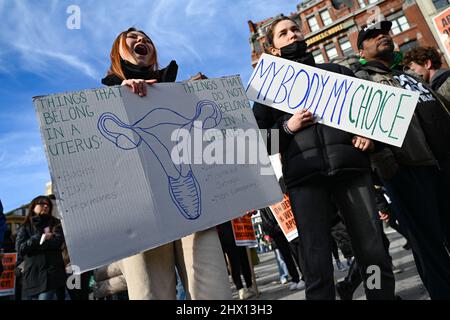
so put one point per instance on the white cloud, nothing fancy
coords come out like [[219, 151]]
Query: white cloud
[[202, 35], [70, 60], [202, 8], [38, 37]]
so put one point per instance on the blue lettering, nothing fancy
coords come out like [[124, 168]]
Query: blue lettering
[[315, 76], [305, 97], [262, 73], [321, 93], [282, 84], [347, 89], [336, 93]]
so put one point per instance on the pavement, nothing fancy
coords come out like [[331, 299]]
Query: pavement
[[408, 284]]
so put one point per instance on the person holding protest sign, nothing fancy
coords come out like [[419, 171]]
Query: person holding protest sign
[[39, 241], [198, 257], [238, 260], [417, 175], [325, 168], [289, 256]]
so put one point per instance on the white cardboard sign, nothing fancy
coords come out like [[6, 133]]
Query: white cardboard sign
[[118, 189], [365, 108]]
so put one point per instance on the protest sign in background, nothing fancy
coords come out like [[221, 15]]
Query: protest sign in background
[[442, 25], [8, 278], [365, 108], [282, 212], [244, 234], [119, 191]]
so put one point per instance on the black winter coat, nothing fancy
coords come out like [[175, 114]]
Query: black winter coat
[[44, 268], [315, 151]]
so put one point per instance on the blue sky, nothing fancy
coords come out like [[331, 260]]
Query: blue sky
[[39, 55]]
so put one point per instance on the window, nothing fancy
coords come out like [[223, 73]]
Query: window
[[257, 46], [326, 19], [440, 4], [313, 25], [408, 46], [362, 3], [346, 46], [318, 56], [331, 51], [399, 23]]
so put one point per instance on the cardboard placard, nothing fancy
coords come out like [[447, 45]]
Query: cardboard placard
[[131, 173], [244, 234], [282, 212], [441, 23], [365, 108], [8, 278]]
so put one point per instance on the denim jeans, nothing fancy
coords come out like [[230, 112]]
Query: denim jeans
[[282, 269], [47, 295]]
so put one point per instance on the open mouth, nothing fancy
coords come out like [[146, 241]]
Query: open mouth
[[141, 49]]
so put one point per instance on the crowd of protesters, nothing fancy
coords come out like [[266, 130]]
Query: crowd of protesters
[[336, 182]]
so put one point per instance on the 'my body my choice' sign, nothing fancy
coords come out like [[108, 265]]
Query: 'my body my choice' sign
[[365, 108]]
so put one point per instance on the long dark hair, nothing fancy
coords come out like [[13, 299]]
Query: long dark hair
[[34, 203]]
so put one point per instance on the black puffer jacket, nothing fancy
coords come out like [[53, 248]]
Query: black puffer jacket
[[44, 268], [314, 151]]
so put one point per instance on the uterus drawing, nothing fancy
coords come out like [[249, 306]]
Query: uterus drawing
[[183, 186]]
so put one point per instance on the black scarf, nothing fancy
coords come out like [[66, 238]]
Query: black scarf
[[41, 221], [132, 71], [296, 51]]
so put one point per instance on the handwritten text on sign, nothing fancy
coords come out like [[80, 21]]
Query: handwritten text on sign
[[362, 107], [118, 187]]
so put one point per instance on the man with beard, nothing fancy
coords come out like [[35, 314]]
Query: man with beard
[[325, 168], [417, 175]]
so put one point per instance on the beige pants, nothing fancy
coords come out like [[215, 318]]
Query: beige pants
[[150, 275], [199, 259], [202, 267]]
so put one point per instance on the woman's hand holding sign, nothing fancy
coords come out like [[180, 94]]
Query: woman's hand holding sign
[[138, 86], [300, 120]]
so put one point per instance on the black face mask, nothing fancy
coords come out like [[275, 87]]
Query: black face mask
[[41, 221], [296, 51]]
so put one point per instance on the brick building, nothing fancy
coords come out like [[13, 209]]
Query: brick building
[[331, 26]]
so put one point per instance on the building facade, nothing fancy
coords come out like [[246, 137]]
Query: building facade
[[430, 9], [331, 26]]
